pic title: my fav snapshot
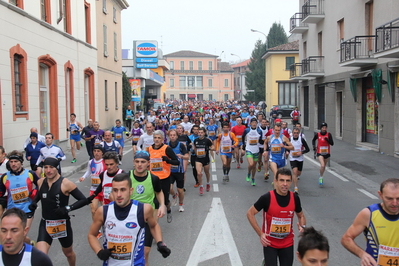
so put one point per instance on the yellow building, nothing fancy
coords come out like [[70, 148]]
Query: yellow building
[[279, 88]]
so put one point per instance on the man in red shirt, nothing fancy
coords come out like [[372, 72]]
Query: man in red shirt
[[238, 131]]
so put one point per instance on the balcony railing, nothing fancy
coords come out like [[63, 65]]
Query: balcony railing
[[313, 11], [295, 70], [387, 36], [358, 47], [313, 66], [296, 24]]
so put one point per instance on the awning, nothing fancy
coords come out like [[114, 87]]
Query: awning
[[191, 95]]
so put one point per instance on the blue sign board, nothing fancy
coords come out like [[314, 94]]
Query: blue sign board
[[146, 60], [146, 49], [146, 65]]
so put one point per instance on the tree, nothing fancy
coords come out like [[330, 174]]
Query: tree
[[126, 93], [276, 35], [255, 78]]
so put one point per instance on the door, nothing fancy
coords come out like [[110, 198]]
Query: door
[[86, 98], [369, 112], [339, 113], [44, 99], [305, 110], [321, 106]]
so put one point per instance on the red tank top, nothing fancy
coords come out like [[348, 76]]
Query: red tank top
[[323, 147], [277, 222]]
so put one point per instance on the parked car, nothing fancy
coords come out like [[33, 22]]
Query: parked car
[[283, 110]]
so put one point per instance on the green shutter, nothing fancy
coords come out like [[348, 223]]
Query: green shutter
[[377, 77]]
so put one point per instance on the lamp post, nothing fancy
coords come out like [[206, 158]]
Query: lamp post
[[239, 76], [261, 33]]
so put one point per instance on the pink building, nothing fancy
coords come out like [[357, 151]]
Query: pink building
[[200, 76]]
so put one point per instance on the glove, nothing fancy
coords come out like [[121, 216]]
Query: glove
[[127, 134], [33, 206], [163, 249], [120, 157], [165, 158], [59, 159], [104, 254], [90, 199], [62, 212], [326, 139]]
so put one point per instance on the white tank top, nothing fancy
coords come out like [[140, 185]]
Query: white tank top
[[26, 258], [297, 148], [107, 183], [252, 141]]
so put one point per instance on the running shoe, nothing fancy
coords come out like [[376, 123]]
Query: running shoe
[[253, 182], [320, 181], [299, 177], [238, 166], [169, 217], [259, 168], [74, 160], [266, 177], [296, 190], [201, 190], [241, 160], [208, 187], [227, 178], [248, 178], [174, 199], [181, 208], [233, 160], [81, 144], [196, 185], [213, 160]]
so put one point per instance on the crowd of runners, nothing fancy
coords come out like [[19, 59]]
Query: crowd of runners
[[165, 142]]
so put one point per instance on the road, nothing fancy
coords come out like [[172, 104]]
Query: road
[[214, 230]]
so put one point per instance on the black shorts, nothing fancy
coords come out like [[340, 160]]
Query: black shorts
[[297, 164], [178, 178], [204, 161], [165, 186], [34, 166], [148, 236], [65, 242], [326, 156], [261, 150], [284, 255]]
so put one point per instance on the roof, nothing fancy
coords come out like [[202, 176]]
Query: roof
[[225, 67], [291, 46], [188, 53], [243, 63]]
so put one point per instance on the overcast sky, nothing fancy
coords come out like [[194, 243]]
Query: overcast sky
[[207, 26]]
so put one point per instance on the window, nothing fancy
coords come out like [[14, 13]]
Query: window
[[199, 82], [105, 6], [289, 60], [226, 97], [210, 65], [181, 65], [226, 82], [210, 83], [320, 43], [182, 97], [199, 65], [200, 97], [18, 3], [191, 65], [116, 96], [191, 81], [341, 30], [172, 83], [114, 15], [115, 47], [105, 40], [210, 97], [106, 94], [182, 82], [69, 89], [45, 10], [287, 93], [88, 22], [19, 81], [66, 13], [172, 97], [172, 65], [305, 47]]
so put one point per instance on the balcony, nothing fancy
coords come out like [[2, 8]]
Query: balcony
[[296, 24], [357, 52], [313, 66], [313, 11], [387, 40], [296, 72]]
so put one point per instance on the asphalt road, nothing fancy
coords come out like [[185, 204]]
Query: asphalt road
[[214, 230]]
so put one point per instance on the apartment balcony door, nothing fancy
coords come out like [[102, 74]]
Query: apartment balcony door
[[44, 99]]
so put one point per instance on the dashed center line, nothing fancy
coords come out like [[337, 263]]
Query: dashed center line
[[367, 193], [214, 177], [215, 187]]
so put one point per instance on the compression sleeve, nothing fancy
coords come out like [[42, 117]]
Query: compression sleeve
[[305, 144], [81, 199], [171, 154]]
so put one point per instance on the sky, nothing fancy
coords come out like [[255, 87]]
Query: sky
[[217, 27]]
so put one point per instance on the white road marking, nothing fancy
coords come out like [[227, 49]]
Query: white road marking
[[213, 167], [367, 193], [215, 238], [216, 187], [214, 178], [328, 170]]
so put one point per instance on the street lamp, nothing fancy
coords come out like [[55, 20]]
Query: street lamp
[[261, 33], [239, 76]]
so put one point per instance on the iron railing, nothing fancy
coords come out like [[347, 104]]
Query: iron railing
[[313, 64], [312, 7], [358, 47], [387, 36], [296, 21], [295, 70]]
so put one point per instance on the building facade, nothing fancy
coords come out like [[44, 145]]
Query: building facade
[[349, 67], [109, 68], [240, 87], [280, 89], [49, 64], [198, 76]]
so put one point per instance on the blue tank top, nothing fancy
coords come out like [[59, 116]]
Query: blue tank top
[[118, 132], [110, 148], [276, 152], [18, 191], [212, 131], [177, 168], [73, 127]]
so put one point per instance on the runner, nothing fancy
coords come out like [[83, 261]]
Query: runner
[[262, 125], [161, 125], [40, 138], [276, 235], [94, 168], [313, 248], [224, 144], [3, 161], [129, 117], [32, 152], [238, 131], [212, 134], [295, 114], [13, 250], [186, 125], [252, 138], [54, 192], [51, 150], [74, 129], [84, 133], [119, 133], [123, 241], [110, 145], [136, 133], [146, 140], [324, 141], [18, 187], [95, 136], [193, 136], [380, 225], [177, 171], [202, 146], [296, 156]]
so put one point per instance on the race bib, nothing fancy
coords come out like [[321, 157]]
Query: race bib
[[118, 136], [201, 153], [20, 194], [239, 138], [123, 251], [56, 228], [107, 192], [97, 141], [275, 148], [253, 140], [156, 165], [136, 138], [323, 150], [280, 227], [211, 133], [95, 181], [388, 256], [296, 153]]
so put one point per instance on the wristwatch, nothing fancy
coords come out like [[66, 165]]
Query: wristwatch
[[68, 208]]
